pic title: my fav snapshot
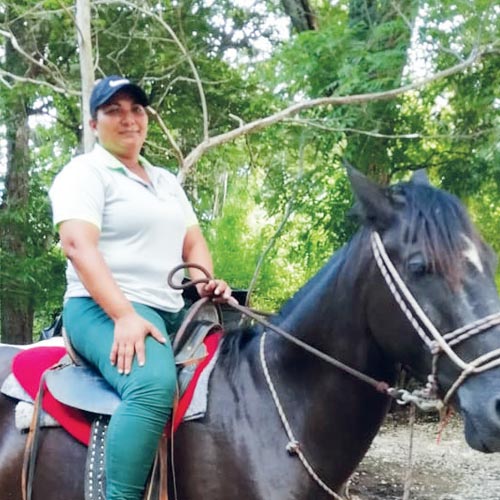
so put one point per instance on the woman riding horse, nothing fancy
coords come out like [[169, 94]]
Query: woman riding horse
[[124, 224]]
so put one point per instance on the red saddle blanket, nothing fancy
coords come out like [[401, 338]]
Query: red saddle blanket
[[28, 367]]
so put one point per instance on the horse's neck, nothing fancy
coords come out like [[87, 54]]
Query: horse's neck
[[322, 404], [334, 405], [328, 311]]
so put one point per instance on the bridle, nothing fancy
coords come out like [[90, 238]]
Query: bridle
[[436, 342], [433, 339]]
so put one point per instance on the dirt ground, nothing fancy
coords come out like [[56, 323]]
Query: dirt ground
[[448, 470]]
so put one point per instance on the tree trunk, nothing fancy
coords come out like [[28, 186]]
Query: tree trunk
[[86, 67], [16, 306], [16, 299], [301, 14], [370, 154]]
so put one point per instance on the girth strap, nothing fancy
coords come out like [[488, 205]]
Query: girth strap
[[33, 441]]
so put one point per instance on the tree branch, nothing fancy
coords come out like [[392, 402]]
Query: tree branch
[[182, 48], [17, 47], [177, 150], [23, 79], [262, 123], [286, 216], [412, 135]]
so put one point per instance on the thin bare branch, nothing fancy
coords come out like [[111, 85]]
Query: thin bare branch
[[35, 62], [247, 142], [177, 150], [38, 10], [61, 90], [286, 216], [262, 123], [397, 7], [158, 147], [179, 44], [270, 244], [415, 135], [4, 82]]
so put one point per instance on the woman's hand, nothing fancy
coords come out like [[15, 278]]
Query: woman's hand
[[218, 289], [130, 332], [195, 249]]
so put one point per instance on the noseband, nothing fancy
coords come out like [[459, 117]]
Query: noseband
[[433, 339]]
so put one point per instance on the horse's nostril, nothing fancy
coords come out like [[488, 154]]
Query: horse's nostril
[[495, 414]]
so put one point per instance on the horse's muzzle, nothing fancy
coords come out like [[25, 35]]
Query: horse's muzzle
[[479, 404]]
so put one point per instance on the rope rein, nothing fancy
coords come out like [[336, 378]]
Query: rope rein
[[293, 446], [376, 384]]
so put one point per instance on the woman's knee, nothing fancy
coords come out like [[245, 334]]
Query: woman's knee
[[152, 386]]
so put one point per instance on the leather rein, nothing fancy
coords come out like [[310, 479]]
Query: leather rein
[[437, 343]]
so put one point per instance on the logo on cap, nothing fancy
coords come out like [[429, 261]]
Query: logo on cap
[[115, 83]]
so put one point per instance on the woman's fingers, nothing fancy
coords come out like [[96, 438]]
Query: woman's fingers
[[140, 352], [218, 289], [120, 358], [156, 334], [114, 353], [128, 357], [129, 341]]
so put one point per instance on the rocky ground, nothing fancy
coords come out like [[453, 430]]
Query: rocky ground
[[448, 470]]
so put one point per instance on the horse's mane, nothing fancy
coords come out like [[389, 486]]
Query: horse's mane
[[435, 222], [439, 225]]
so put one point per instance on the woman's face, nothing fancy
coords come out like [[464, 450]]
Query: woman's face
[[121, 125]]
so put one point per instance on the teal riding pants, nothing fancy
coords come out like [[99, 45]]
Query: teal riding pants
[[147, 393]]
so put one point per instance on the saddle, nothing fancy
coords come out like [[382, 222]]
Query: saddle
[[76, 384]]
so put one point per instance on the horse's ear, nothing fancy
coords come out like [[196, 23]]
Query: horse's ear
[[420, 177], [373, 201]]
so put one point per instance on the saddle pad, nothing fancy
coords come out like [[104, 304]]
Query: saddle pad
[[28, 367]]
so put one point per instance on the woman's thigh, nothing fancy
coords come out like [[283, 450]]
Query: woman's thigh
[[91, 332]]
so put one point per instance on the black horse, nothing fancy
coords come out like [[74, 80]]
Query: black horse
[[415, 271]]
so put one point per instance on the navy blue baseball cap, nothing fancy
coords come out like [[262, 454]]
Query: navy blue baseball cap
[[107, 87]]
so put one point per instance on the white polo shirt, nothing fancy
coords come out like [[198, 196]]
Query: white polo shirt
[[142, 226]]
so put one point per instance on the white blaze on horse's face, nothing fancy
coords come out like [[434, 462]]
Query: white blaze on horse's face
[[471, 253]]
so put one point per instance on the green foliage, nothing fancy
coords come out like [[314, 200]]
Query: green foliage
[[485, 211], [37, 275], [244, 191]]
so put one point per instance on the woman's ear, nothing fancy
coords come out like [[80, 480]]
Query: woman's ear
[[93, 125]]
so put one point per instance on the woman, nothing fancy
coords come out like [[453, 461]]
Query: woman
[[124, 225]]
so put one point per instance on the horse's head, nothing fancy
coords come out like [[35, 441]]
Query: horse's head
[[432, 303]]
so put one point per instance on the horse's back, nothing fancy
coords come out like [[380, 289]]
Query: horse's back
[[11, 440], [60, 465]]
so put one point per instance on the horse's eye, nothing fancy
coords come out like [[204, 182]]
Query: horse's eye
[[417, 267]]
